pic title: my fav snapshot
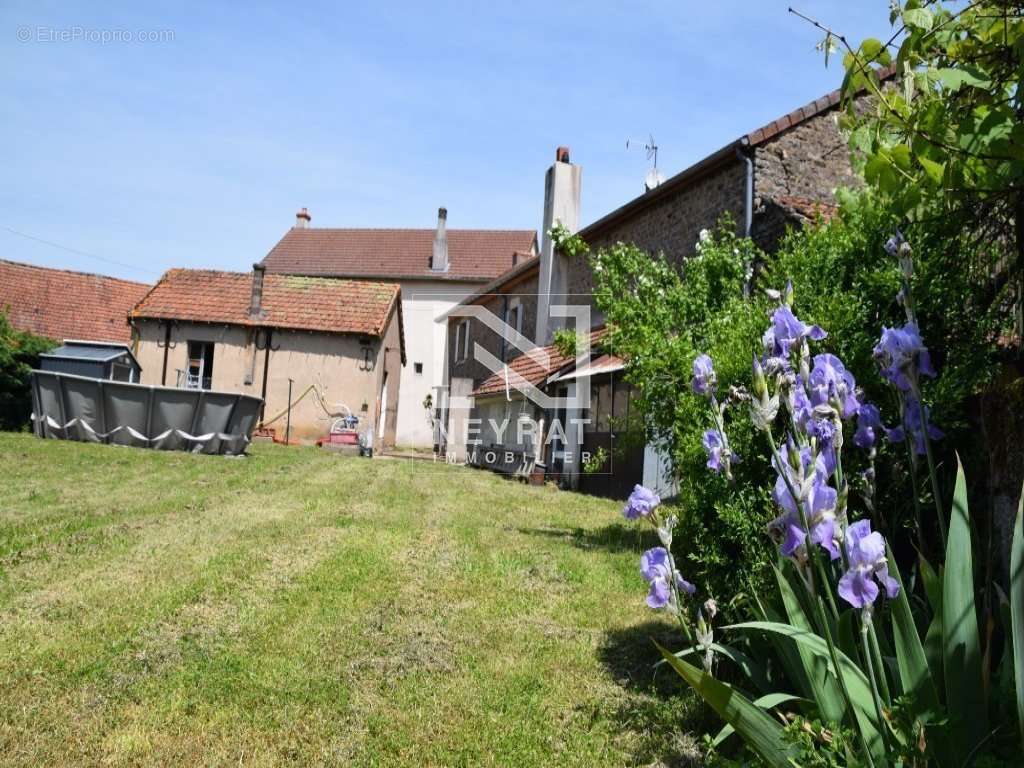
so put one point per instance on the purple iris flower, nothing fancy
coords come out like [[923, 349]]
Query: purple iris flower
[[819, 506], [787, 331], [641, 502], [803, 410], [869, 425], [825, 432], [704, 378], [902, 355], [713, 447], [865, 551], [656, 568], [829, 379], [913, 421]]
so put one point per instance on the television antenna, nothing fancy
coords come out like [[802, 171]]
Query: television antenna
[[653, 177]]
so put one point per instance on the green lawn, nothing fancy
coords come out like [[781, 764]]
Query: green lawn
[[297, 607]]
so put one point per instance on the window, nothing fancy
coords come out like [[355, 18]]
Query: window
[[200, 365], [514, 317], [462, 341], [418, 367], [120, 372]]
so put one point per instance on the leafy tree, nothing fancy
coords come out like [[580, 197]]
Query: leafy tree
[[19, 353], [946, 142]]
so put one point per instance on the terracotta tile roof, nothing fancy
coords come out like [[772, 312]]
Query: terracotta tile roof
[[806, 208], [61, 304], [475, 255], [300, 303], [534, 367], [806, 112]]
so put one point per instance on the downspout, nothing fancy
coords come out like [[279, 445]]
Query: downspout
[[167, 346], [266, 369], [504, 331], [744, 154]]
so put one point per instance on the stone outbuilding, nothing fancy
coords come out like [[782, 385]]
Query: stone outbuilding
[[340, 342]]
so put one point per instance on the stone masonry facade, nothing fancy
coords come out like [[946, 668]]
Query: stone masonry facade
[[806, 158], [809, 160], [525, 291]]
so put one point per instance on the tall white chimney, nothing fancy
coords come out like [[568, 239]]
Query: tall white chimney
[[561, 205], [302, 219], [439, 258]]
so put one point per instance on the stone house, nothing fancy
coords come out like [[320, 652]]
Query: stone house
[[340, 342], [779, 175], [435, 268]]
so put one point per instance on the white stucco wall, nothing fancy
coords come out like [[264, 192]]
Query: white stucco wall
[[425, 340]]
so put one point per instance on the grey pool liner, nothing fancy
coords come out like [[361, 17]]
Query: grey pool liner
[[68, 407]]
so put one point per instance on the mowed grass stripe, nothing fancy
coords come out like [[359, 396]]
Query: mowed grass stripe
[[294, 607]]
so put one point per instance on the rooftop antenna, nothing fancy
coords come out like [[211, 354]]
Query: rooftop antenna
[[653, 177]]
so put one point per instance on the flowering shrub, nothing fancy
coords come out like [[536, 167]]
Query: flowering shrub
[[837, 577], [662, 313]]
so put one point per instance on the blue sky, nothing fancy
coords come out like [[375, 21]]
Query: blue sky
[[196, 151]]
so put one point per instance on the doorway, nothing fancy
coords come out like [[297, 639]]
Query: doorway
[[383, 410], [200, 365]]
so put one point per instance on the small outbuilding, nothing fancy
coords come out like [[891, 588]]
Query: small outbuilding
[[316, 350], [95, 359]]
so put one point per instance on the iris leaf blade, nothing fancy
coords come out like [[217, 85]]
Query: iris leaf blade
[[752, 723], [961, 644]]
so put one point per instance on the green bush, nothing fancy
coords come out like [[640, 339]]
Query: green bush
[[19, 354], [661, 317]]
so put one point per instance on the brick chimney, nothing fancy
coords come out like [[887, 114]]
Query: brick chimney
[[256, 302], [561, 205], [302, 219], [439, 258]]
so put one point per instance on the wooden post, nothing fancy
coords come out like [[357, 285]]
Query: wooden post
[[288, 420]]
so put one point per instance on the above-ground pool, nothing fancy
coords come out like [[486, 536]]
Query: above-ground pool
[[67, 407]]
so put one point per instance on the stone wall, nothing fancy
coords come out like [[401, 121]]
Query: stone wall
[[670, 224], [811, 160], [525, 291]]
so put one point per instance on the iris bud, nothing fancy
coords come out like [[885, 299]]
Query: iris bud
[[760, 385]]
